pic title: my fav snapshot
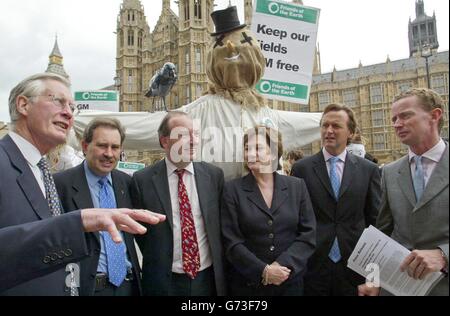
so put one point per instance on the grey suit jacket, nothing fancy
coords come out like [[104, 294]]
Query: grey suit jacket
[[35, 247], [150, 190], [415, 224]]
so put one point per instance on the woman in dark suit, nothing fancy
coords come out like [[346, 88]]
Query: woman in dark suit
[[268, 223]]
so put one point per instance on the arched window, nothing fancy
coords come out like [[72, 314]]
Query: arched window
[[130, 38], [186, 10], [198, 9]]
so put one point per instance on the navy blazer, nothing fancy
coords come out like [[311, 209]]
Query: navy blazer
[[150, 190], [35, 247], [255, 235], [74, 191], [346, 219]]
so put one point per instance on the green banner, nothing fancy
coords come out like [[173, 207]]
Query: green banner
[[283, 89], [131, 166], [286, 10], [96, 96]]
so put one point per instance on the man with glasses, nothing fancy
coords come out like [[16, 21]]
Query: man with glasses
[[38, 242]]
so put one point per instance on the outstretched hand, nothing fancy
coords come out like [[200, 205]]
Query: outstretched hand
[[115, 220]]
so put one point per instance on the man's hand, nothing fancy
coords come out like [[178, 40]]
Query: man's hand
[[368, 289], [277, 274], [420, 263], [113, 220]]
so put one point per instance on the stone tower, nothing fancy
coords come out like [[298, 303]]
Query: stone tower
[[422, 31], [132, 33], [161, 47], [195, 26], [55, 64]]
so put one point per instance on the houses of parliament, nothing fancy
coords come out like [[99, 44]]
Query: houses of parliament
[[184, 39]]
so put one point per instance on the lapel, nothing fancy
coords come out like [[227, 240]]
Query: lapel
[[202, 180], [161, 185], [438, 181], [81, 195], [250, 186], [351, 164], [30, 188], [280, 193], [320, 168], [405, 182], [120, 190]]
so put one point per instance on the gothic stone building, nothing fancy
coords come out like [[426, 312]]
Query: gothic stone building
[[184, 39]]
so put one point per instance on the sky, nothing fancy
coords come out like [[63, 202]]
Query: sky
[[349, 31]]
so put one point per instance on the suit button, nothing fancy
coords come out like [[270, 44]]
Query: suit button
[[54, 256], [61, 254], [272, 248], [271, 236], [68, 252], [47, 259], [270, 222]]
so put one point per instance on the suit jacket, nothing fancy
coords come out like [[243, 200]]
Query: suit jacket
[[255, 235], [74, 191], [35, 247], [150, 190], [346, 219], [415, 224]]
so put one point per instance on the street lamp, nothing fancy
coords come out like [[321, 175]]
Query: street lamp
[[426, 53]]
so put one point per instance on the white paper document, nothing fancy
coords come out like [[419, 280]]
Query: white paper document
[[377, 254]]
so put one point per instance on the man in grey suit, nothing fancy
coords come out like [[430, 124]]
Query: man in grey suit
[[184, 256], [414, 209], [38, 240]]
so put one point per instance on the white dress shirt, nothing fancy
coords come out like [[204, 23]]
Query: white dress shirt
[[32, 156], [202, 238], [429, 161], [339, 165]]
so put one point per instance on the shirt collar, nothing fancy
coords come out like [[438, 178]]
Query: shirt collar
[[171, 168], [434, 154], [92, 178], [29, 151], [328, 156]]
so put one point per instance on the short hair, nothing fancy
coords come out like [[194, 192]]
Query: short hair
[[429, 100], [272, 136], [351, 124], [295, 154], [111, 123], [335, 107], [164, 128], [31, 86]]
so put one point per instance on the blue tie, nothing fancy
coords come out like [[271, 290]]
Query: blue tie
[[335, 253], [418, 178], [334, 178], [115, 253]]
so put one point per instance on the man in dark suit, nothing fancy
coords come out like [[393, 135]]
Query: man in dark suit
[[37, 240], [183, 257], [81, 187], [345, 193]]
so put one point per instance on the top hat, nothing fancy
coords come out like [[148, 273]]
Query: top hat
[[226, 20]]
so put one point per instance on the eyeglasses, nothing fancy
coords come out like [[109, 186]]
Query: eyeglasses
[[59, 102]]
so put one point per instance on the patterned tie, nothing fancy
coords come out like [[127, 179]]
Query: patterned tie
[[50, 189], [189, 245], [419, 178], [334, 178], [115, 253], [335, 253]]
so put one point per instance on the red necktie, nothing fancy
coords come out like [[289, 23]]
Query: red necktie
[[189, 245]]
